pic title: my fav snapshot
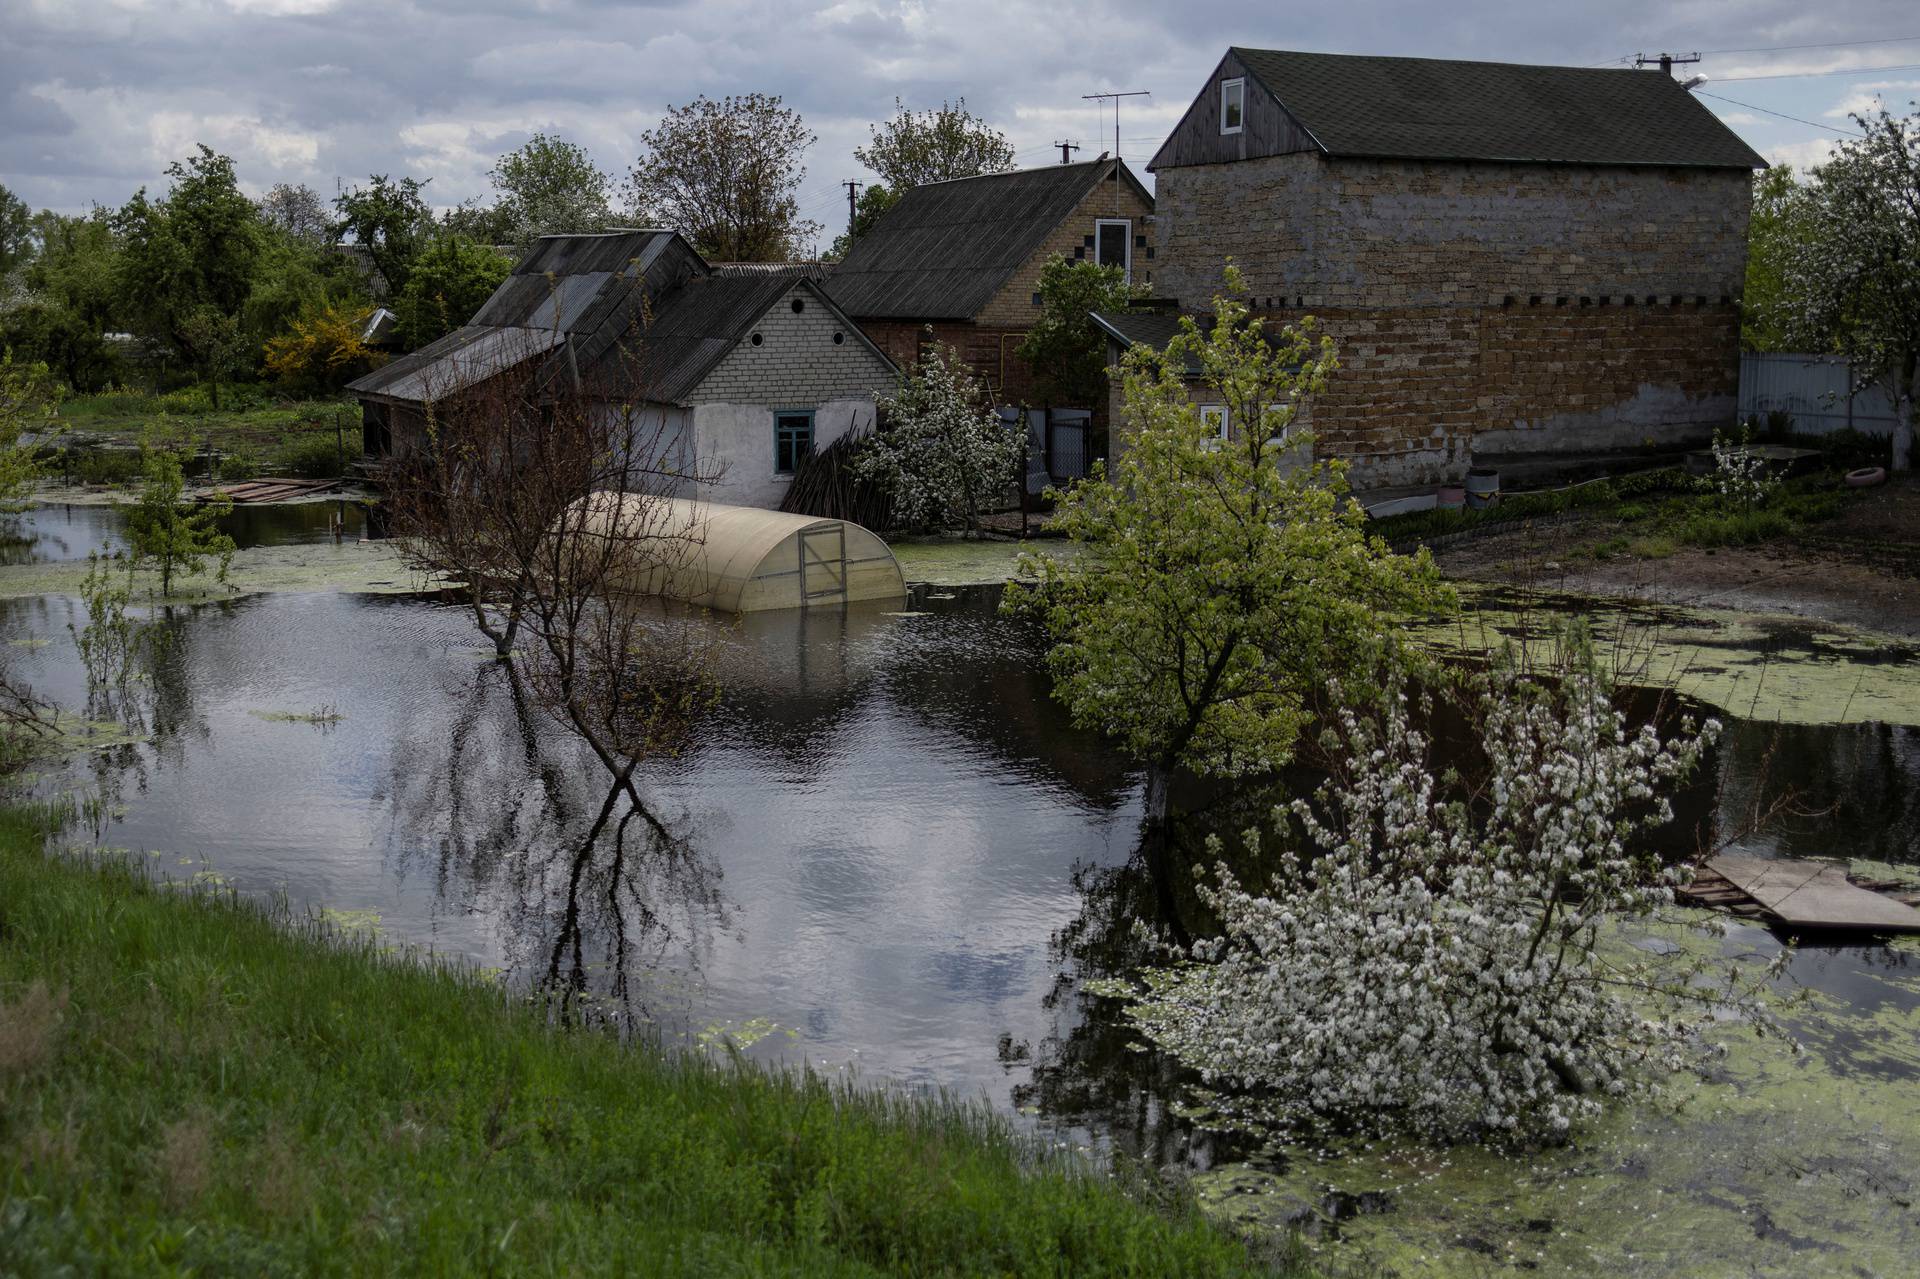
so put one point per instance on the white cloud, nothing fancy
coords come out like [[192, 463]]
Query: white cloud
[[1801, 155], [282, 8]]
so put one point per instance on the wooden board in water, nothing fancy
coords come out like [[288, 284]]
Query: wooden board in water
[[1815, 895]]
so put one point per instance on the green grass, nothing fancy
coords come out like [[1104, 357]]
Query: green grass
[[260, 432], [190, 1085]]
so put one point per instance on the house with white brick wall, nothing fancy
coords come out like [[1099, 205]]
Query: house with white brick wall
[[749, 369]]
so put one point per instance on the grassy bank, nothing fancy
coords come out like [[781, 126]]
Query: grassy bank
[[256, 432], [187, 1085]]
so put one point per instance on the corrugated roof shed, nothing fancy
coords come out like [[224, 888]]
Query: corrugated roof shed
[[1440, 109], [946, 248]]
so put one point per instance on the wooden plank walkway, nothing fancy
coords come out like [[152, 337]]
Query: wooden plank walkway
[[1811, 896], [272, 490]]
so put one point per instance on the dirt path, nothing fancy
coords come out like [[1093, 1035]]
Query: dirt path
[[1860, 569]]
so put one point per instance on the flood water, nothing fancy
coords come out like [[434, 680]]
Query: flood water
[[887, 851]]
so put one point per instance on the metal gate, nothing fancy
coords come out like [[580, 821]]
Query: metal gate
[[823, 564]]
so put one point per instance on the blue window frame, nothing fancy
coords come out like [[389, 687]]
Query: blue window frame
[[792, 438]]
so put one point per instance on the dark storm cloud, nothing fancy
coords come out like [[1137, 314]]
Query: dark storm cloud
[[99, 95]]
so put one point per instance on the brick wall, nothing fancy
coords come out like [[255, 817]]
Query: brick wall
[[797, 362], [1480, 308], [1012, 306]]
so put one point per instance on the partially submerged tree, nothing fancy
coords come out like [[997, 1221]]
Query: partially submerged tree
[[1433, 959], [1219, 582], [1852, 279], [935, 145], [941, 453], [391, 220], [27, 422], [171, 534], [1065, 349], [727, 175], [549, 498]]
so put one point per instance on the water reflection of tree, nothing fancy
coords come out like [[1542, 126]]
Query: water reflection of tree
[[1856, 787], [594, 889]]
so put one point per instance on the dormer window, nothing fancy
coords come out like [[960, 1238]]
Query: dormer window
[[1233, 105]]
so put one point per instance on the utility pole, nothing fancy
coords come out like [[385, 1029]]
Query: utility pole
[[1667, 61], [1065, 149], [1116, 95], [851, 187]]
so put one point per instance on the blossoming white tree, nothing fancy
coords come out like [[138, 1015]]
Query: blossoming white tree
[[942, 454], [1435, 965]]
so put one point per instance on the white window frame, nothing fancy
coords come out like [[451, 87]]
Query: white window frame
[[1126, 242], [1209, 411], [1236, 85]]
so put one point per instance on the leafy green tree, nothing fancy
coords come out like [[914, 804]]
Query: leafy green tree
[[1779, 221], [727, 175], [1219, 583], [72, 300], [874, 200], [934, 145], [26, 421], [173, 535], [293, 277], [1067, 353], [297, 211], [550, 186], [186, 264], [941, 452], [16, 234], [1853, 279], [450, 280], [391, 221]]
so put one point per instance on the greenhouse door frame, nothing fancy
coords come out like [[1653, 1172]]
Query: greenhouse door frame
[[818, 565]]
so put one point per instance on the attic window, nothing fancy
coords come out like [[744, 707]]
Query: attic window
[[757, 339], [799, 305], [1233, 105]]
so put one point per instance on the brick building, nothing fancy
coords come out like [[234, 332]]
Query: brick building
[[748, 368], [958, 262], [1513, 260]]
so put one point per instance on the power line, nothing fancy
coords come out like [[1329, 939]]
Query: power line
[[1831, 44], [1770, 111], [1800, 75]]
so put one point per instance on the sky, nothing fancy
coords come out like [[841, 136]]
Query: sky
[[98, 96]]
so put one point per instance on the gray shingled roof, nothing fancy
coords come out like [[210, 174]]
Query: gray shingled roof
[[1149, 328], [1430, 108], [580, 295], [946, 248]]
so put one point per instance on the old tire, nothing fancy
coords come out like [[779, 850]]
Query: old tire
[[1866, 477]]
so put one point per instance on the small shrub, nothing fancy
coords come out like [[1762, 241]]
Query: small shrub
[[312, 457], [104, 466], [190, 400], [240, 464], [1735, 528]]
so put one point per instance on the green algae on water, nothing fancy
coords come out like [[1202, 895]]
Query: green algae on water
[[1787, 670]]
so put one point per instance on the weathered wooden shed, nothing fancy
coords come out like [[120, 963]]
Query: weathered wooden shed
[[742, 559]]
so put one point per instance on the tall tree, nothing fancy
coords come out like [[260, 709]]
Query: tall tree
[[1778, 222], [72, 299], [727, 174], [450, 280], [16, 234], [934, 145], [1220, 584], [297, 210], [186, 263], [874, 200], [391, 221], [1853, 281], [550, 186], [1067, 353]]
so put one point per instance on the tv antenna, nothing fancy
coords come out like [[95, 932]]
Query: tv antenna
[[1116, 95], [1667, 61]]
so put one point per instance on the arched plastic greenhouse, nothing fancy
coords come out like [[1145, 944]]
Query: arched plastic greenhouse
[[741, 559]]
